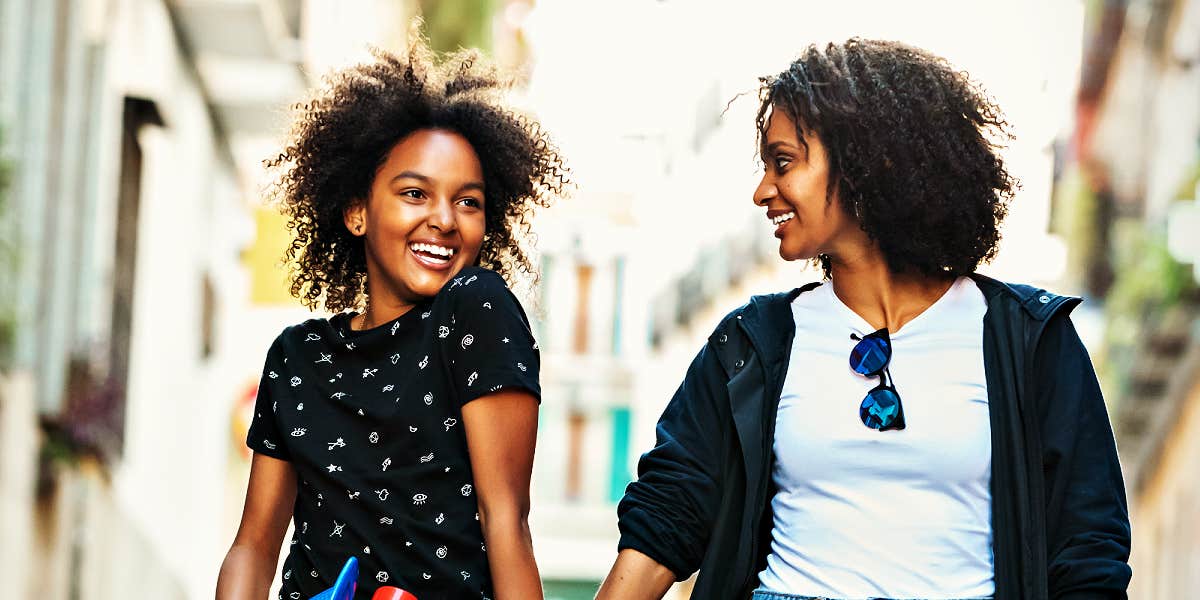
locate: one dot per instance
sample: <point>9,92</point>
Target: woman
<point>402,434</point>
<point>906,428</point>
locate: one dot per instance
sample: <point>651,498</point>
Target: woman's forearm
<point>636,576</point>
<point>510,557</point>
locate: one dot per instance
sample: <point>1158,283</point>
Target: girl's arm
<point>501,431</point>
<point>249,566</point>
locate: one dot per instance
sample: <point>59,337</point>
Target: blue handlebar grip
<point>343,588</point>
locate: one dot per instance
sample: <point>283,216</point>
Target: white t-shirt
<point>861,513</point>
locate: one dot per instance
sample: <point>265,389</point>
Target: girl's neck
<point>381,308</point>
<point>866,285</point>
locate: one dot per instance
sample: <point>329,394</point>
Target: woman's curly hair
<point>343,133</point>
<point>912,146</point>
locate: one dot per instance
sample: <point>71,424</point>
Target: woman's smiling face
<point>423,220</point>
<point>795,191</point>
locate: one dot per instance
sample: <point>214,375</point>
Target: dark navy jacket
<point>1059,517</point>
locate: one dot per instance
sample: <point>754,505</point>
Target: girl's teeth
<point>435,250</point>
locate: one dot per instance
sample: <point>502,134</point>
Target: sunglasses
<point>881,407</point>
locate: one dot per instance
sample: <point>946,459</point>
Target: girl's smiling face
<point>809,220</point>
<point>423,219</point>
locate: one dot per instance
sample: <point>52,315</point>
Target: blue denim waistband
<point>761,595</point>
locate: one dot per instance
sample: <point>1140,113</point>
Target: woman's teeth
<point>439,251</point>
<point>784,218</point>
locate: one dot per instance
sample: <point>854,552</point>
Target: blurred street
<point>141,280</point>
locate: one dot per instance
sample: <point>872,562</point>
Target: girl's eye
<point>471,202</point>
<point>781,162</point>
<point>412,193</point>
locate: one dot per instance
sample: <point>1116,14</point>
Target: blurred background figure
<point>140,275</point>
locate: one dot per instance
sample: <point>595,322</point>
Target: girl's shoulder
<point>309,331</point>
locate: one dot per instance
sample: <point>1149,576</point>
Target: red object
<point>388,592</point>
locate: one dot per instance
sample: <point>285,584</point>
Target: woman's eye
<point>781,162</point>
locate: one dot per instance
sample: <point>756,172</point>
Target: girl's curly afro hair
<point>343,133</point>
<point>912,146</point>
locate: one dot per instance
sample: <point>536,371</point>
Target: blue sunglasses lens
<point>880,408</point>
<point>870,355</point>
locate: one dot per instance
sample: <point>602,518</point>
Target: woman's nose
<point>765,190</point>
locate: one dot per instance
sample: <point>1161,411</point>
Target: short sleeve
<point>490,347</point>
<point>263,436</point>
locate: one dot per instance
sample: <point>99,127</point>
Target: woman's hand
<point>249,566</point>
<point>501,433</point>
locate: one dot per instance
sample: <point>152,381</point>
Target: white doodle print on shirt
<point>273,375</point>
<point>443,332</point>
<point>383,494</point>
<point>312,337</point>
<point>340,443</point>
<point>425,315</point>
<point>487,305</point>
<point>366,549</point>
<point>369,373</point>
<point>295,381</point>
<point>424,362</point>
<point>451,422</point>
<point>505,340</point>
<point>269,445</point>
<point>350,346</point>
<point>465,575</point>
<point>427,458</point>
<point>325,358</point>
<point>387,462</point>
<point>472,377</point>
<point>299,431</point>
<point>442,551</point>
<point>429,399</point>
<point>337,529</point>
<point>374,437</point>
<point>467,341</point>
<point>332,467</point>
<point>441,518</point>
<point>419,499</point>
<point>386,521</point>
<point>353,495</point>
<point>389,387</point>
<point>426,576</point>
<point>466,490</point>
<point>381,577</point>
<point>395,326</point>
<point>522,367</point>
<point>338,395</point>
<point>395,358</point>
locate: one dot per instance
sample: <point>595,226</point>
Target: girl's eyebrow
<point>471,185</point>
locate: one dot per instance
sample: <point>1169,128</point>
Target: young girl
<point>403,434</point>
<point>906,428</point>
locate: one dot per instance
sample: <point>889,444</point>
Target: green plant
<point>8,264</point>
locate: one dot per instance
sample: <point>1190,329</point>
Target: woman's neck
<point>865,284</point>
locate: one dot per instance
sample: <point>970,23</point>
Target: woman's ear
<point>355,218</point>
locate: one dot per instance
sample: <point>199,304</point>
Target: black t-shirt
<point>372,423</point>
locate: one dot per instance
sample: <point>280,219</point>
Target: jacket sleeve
<point>667,514</point>
<point>1087,519</point>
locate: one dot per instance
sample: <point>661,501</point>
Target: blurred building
<point>1128,198</point>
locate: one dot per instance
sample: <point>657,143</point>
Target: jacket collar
<point>762,316</point>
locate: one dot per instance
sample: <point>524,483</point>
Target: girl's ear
<point>355,218</point>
